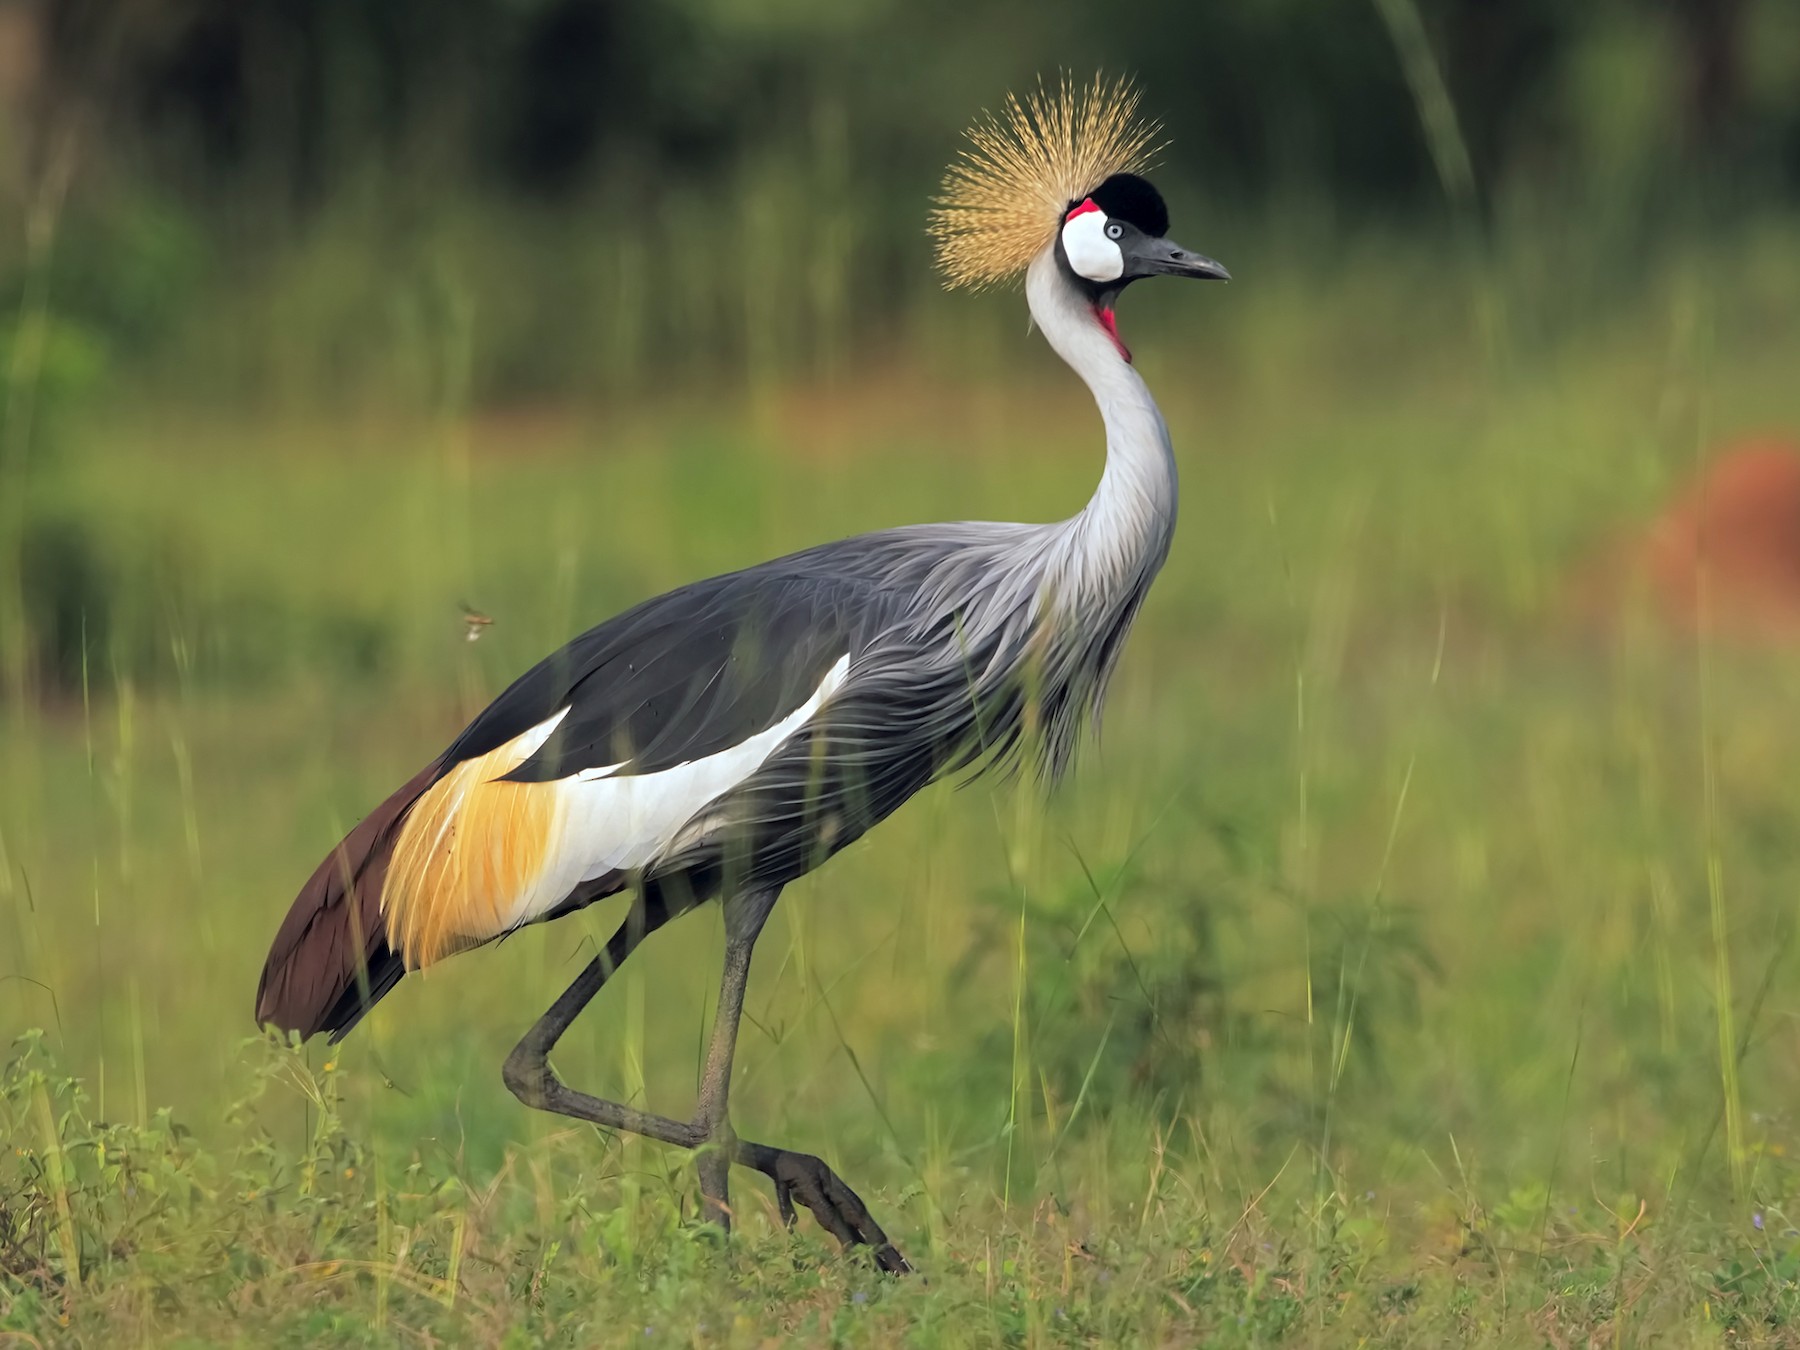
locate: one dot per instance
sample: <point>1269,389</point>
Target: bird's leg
<point>534,1082</point>
<point>839,1210</point>
<point>745,914</point>
<point>797,1176</point>
<point>712,1108</point>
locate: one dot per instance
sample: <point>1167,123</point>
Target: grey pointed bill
<point>1166,258</point>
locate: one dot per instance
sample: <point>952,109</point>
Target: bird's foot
<point>802,1177</point>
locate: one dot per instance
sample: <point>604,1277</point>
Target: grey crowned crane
<point>719,741</point>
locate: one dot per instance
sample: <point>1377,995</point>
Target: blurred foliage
<point>557,96</point>
<point>128,599</point>
<point>1155,986</point>
<point>271,199</point>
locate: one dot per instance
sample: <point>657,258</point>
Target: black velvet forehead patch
<point>1127,197</point>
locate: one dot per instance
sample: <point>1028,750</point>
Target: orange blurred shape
<point>1725,555</point>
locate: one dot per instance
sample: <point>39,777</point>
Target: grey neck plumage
<point>1098,565</point>
<point>1114,547</point>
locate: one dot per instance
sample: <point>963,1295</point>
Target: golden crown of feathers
<point>1005,195</point>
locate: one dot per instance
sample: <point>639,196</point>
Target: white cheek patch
<point>1090,252</point>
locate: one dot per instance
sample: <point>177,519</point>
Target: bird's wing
<point>679,678</point>
<point>591,763</point>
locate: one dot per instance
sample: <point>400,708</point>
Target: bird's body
<point>727,737</point>
<point>753,724</point>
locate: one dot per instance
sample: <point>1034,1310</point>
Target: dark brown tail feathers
<point>331,961</point>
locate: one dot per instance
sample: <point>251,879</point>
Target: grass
<point>1411,963</point>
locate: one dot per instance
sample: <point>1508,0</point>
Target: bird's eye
<point>1115,231</point>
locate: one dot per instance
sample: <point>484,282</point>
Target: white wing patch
<point>607,823</point>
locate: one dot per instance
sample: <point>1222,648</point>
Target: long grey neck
<point>1119,540</point>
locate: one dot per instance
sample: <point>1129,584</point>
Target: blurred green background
<point>1425,914</point>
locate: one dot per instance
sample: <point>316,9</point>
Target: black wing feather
<point>679,677</point>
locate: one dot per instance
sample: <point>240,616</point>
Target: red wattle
<point>1111,325</point>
